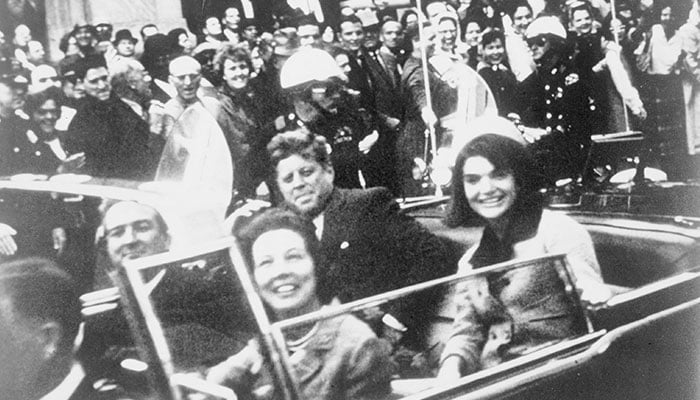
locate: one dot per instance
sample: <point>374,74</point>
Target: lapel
<point>375,68</point>
<point>333,229</point>
<point>310,358</point>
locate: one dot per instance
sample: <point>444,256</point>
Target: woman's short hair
<point>506,155</point>
<point>404,17</point>
<point>234,53</point>
<point>272,219</point>
<point>299,142</point>
<point>36,100</point>
<point>490,35</point>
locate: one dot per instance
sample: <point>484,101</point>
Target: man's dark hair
<point>581,6</point>
<point>305,19</point>
<point>207,18</point>
<point>335,50</point>
<point>298,142</point>
<point>143,29</point>
<point>90,28</point>
<point>63,43</point>
<point>511,9</point>
<point>83,65</point>
<point>490,35</point>
<point>36,100</point>
<point>354,19</point>
<point>41,292</point>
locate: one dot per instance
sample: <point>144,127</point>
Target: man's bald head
<point>185,75</point>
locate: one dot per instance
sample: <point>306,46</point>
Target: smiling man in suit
<point>368,247</point>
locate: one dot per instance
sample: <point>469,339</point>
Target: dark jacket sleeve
<point>414,255</point>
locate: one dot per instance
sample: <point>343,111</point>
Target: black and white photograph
<point>349,199</point>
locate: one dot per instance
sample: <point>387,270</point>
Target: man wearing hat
<point>560,103</point>
<point>125,43</point>
<point>86,39</point>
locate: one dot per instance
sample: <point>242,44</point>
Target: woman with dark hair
<point>496,181</point>
<point>182,42</point>
<point>347,360</point>
<point>409,19</point>
<point>246,116</point>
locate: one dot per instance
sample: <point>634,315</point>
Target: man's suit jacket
<point>370,248</point>
<point>115,140</point>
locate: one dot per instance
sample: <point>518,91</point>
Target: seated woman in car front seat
<point>336,358</point>
<point>498,318</point>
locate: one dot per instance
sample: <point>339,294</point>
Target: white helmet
<point>546,25</point>
<point>308,65</point>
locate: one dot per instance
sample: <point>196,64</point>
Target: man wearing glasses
<point>186,77</point>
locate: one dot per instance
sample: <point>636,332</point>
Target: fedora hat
<point>124,34</point>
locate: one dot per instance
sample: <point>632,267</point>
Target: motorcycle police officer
<point>324,105</point>
<point>555,99</point>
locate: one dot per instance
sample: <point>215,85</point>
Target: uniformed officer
<point>324,105</point>
<point>555,99</point>
<point>12,123</point>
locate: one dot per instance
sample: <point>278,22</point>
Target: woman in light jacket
<point>507,314</point>
<point>336,358</point>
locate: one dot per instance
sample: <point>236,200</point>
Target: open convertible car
<point>155,327</point>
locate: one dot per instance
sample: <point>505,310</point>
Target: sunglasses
<point>538,41</point>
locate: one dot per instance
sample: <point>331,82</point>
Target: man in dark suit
<point>367,245</point>
<point>39,319</point>
<point>380,94</point>
<point>114,138</point>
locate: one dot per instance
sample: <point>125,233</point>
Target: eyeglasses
<point>183,77</point>
<point>538,41</point>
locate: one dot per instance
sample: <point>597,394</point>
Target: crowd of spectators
<point>316,102</point>
<point>565,70</point>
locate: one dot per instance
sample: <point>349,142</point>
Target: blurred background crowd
<point>565,70</point>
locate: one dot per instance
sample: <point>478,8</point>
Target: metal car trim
<point>382,298</point>
<point>560,366</point>
<point>507,368</point>
<point>647,290</point>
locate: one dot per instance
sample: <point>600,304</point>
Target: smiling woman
<point>335,358</point>
<point>497,182</point>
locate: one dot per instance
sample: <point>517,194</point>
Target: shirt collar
<point>138,109</point>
